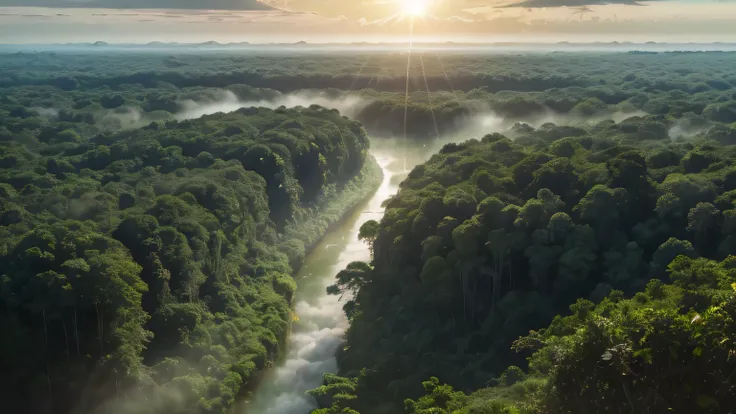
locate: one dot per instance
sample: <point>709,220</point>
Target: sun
<point>414,8</point>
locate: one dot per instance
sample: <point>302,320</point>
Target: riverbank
<point>301,239</point>
<point>319,322</point>
<point>333,208</point>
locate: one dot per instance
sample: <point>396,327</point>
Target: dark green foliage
<point>112,101</point>
<point>155,263</point>
<point>369,233</point>
<point>663,350</point>
<point>678,94</point>
<point>188,231</point>
<point>336,390</point>
<point>460,272</point>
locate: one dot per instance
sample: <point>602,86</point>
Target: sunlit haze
<point>414,8</point>
<point>367,206</point>
<point>322,21</point>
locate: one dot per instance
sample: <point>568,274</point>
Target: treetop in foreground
<point>150,269</point>
<point>489,245</point>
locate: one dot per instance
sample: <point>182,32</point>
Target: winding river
<point>318,332</point>
<point>321,324</point>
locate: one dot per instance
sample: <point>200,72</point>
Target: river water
<point>321,324</point>
<point>318,332</point>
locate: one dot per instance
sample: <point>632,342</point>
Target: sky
<point>320,21</point>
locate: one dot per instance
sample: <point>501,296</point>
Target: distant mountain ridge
<point>417,45</point>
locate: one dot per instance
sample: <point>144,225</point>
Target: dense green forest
<point>491,239</point>
<point>112,91</point>
<point>585,268</point>
<point>574,255</point>
<point>149,270</point>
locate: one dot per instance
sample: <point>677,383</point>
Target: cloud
<point>460,19</point>
<point>569,3</point>
<point>143,4</point>
<point>365,21</point>
<point>378,22</point>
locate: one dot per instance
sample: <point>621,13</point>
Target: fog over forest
<point>228,229</point>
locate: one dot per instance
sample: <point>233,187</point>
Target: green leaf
<point>706,401</point>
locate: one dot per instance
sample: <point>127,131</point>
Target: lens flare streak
<point>360,71</point>
<point>406,95</point>
<point>444,70</point>
<point>429,98</point>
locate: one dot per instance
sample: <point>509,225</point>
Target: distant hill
<point>143,4</point>
<point>517,46</point>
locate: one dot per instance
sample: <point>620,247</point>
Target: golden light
<point>414,8</point>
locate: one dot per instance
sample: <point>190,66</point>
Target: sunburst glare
<point>414,8</point>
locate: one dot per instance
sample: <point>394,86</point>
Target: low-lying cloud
<point>689,127</point>
<point>348,105</point>
<point>319,332</point>
<point>483,120</point>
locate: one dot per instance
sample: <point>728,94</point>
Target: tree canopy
<point>595,279</point>
<point>152,267</point>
